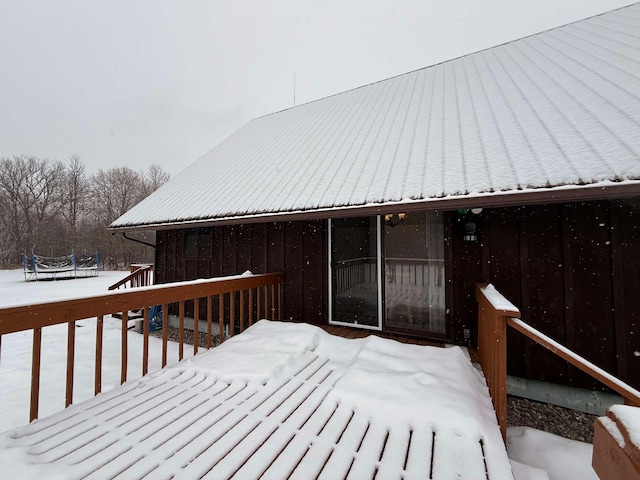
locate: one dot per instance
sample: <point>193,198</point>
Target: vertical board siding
<point>314,293</point>
<point>293,241</point>
<point>243,248</point>
<point>297,248</point>
<point>543,291</point>
<point>229,250</point>
<point>467,272</point>
<point>576,263</point>
<point>589,265</point>
<point>501,259</point>
<point>259,244</point>
<point>625,222</point>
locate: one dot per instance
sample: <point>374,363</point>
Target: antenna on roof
<point>294,88</point>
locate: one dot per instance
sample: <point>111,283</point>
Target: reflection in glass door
<point>354,272</point>
<point>414,273</point>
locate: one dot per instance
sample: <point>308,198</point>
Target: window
<point>198,243</point>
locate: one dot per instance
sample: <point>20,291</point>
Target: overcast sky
<point>140,82</point>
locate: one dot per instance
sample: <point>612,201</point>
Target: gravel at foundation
<point>174,336</point>
<point>521,412</point>
<point>564,422</point>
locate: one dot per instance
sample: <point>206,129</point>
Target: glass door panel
<point>414,273</point>
<point>354,267</point>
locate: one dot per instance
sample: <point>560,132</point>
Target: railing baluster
<point>273,301</point>
<point>279,301</point>
<point>209,320</point>
<point>266,301</point>
<point>35,373</point>
<point>165,332</point>
<point>97,388</point>
<point>258,302</point>
<point>71,349</point>
<point>181,331</point>
<point>232,313</point>
<point>251,306</point>
<point>123,357</point>
<point>196,324</point>
<point>241,310</point>
<point>145,340</point>
<point>221,317</point>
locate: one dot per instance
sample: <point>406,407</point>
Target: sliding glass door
<point>414,273</point>
<point>400,285</point>
<point>355,272</point>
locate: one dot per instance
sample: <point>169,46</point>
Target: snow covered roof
<point>556,109</point>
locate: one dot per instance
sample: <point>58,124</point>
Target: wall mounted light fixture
<point>394,219</point>
<point>470,232</point>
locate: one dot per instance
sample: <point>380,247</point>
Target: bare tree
<point>42,197</point>
<point>12,220</point>
<point>74,198</point>
<point>53,207</point>
<point>31,199</point>
<point>115,191</point>
<point>155,178</point>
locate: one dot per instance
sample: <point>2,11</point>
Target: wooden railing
<point>140,276</point>
<point>495,313</point>
<point>234,302</point>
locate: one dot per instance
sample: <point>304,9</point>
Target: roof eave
<point>510,198</point>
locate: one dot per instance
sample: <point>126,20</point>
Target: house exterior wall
<point>572,269</point>
<point>574,272</point>
<point>297,248</point>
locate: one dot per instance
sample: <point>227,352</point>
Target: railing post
<point>615,454</point>
<point>97,388</point>
<point>71,346</point>
<point>124,361</point>
<point>35,373</point>
<point>492,346</point>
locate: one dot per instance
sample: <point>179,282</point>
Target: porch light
<point>394,219</point>
<point>470,232</point>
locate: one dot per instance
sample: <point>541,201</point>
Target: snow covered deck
<point>281,400</point>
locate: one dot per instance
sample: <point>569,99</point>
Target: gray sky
<point>151,81</point>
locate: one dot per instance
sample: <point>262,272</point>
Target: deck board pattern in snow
<point>558,108</point>
<point>190,423</point>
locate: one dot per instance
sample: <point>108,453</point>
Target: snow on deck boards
<point>308,405</point>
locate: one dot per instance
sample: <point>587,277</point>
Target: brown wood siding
<point>466,259</point>
<point>625,222</point>
<point>501,261</point>
<point>296,248</point>
<point>569,268</point>
<point>573,270</point>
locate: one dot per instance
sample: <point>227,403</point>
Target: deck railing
<point>495,314</point>
<point>234,302</point>
<point>140,276</point>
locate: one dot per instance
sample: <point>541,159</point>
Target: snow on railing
<point>233,302</point>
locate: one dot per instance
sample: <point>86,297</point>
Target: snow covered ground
<point>561,458</point>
